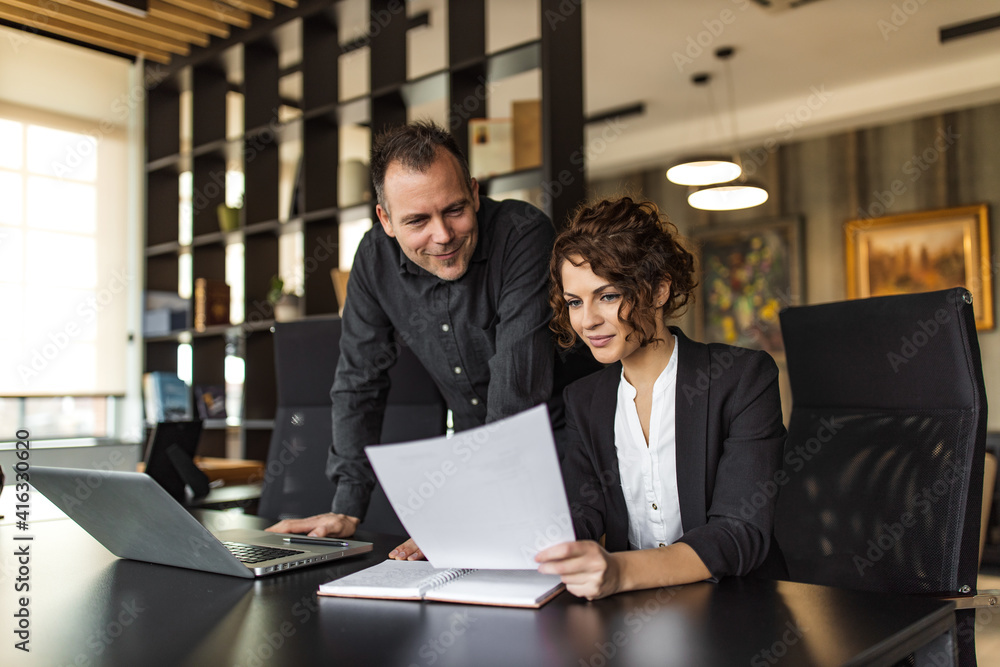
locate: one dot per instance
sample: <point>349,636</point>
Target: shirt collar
<point>662,381</point>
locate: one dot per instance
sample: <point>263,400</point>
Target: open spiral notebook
<point>418,580</point>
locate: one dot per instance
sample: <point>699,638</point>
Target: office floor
<point>988,621</point>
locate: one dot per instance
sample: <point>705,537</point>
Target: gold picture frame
<point>923,252</point>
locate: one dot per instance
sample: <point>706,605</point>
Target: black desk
<point>234,496</point>
<point>89,608</point>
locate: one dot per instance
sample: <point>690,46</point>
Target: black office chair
<point>882,481</point>
<point>305,359</point>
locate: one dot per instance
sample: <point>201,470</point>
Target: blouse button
<point>654,506</point>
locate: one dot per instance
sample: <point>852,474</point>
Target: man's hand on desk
<point>320,525</point>
<point>408,550</point>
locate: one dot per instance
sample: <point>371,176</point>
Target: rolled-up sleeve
<point>737,535</point>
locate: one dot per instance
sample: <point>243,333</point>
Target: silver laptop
<point>133,517</point>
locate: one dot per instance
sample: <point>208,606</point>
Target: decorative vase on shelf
<point>352,183</point>
<point>286,309</point>
<point>229,218</point>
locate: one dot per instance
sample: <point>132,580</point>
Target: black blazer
<point>730,439</point>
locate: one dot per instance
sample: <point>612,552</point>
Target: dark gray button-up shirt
<point>484,338</point>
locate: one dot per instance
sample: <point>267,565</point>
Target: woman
<point>669,443</point>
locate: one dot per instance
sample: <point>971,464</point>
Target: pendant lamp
<point>739,192</point>
<point>704,169</point>
<point>728,196</point>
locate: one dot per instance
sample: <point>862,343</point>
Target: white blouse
<point>649,474</point>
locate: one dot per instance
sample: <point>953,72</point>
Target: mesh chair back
<point>295,482</point>
<point>305,359</point>
<point>414,409</point>
<point>882,479</point>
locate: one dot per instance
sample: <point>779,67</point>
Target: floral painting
<point>748,273</point>
<point>922,252</point>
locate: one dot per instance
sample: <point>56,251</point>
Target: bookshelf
<point>272,107</point>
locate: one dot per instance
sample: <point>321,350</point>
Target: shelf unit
<point>244,104</point>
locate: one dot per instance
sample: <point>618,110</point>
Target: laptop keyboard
<point>250,553</point>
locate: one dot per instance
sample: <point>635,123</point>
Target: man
<point>459,278</point>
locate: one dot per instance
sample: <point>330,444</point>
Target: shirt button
<point>475,401</point>
<point>458,370</point>
<point>662,544</point>
<point>654,506</point>
<point>445,327</point>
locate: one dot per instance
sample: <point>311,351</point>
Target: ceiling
<point>167,28</point>
<point>823,66</point>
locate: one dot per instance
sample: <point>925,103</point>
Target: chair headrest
<point>912,351</point>
<point>306,353</point>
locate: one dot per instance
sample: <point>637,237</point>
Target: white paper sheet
<point>491,497</point>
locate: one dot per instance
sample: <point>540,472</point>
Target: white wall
<point>104,97</point>
<point>828,179</point>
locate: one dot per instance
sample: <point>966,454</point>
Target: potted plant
<point>285,302</point>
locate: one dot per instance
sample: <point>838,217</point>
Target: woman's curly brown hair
<point>635,248</point>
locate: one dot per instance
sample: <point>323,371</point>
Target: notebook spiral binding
<point>444,577</point>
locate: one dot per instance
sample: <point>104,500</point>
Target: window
<point>64,281</point>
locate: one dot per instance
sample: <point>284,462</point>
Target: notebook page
<point>488,498</point>
<point>520,588</point>
<point>402,579</point>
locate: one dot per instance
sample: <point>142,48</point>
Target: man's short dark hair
<point>415,145</point>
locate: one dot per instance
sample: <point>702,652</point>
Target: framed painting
<point>747,274</point>
<point>923,252</point>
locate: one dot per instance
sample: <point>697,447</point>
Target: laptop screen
<point>170,458</point>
